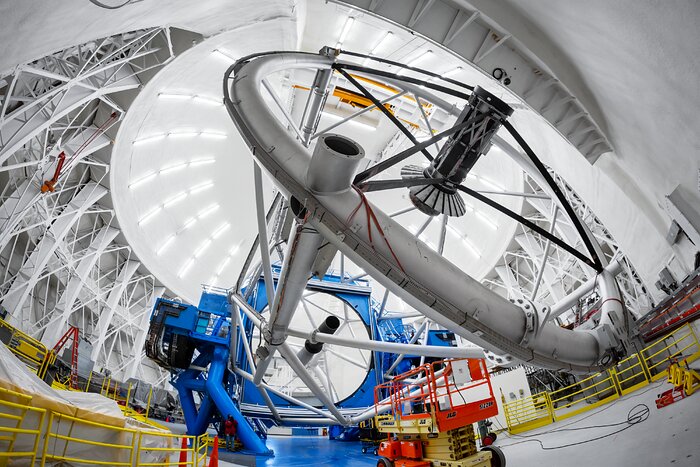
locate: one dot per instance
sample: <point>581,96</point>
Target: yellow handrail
<point>525,414</point>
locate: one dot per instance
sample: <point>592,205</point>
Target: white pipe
<point>391,347</point>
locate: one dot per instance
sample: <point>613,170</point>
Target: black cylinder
<point>329,326</point>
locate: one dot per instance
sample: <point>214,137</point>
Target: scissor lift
<point>432,410</point>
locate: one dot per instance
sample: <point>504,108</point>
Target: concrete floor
<point>669,437</point>
<point>298,451</point>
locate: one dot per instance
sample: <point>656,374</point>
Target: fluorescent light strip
<point>223,228</point>
<point>176,97</point>
<point>173,168</point>
<point>213,135</point>
<point>202,248</point>
<point>198,162</point>
<point>183,134</point>
<point>175,199</point>
<point>490,184</point>
<point>188,223</point>
<point>148,139</point>
<point>378,46</point>
<point>223,264</point>
<point>186,267</point>
<point>149,215</point>
<point>169,241</point>
<point>207,100</point>
<point>142,180</point>
<point>346,30</point>
<point>413,62</point>
<point>468,244</point>
<point>221,54</point>
<point>201,187</point>
<point>205,212</point>
<point>353,121</point>
<point>486,219</point>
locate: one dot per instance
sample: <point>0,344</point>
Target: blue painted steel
<point>207,328</point>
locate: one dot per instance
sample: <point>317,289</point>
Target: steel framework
<point>60,261</point>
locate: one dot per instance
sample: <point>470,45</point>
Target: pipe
<point>314,104</point>
<point>216,391</point>
<point>306,353</point>
<point>301,372</point>
<point>413,340</point>
<point>391,347</point>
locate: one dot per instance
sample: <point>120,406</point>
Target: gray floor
<point>669,437</point>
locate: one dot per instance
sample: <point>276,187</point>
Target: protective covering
<point>78,415</point>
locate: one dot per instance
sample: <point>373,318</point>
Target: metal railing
<point>14,422</point>
<point>127,447</point>
<point>632,373</point>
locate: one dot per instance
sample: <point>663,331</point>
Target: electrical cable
<point>637,414</point>
<point>110,7</point>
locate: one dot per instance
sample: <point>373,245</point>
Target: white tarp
<point>107,421</point>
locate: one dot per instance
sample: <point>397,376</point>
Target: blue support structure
<point>176,331</point>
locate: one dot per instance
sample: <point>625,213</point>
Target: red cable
<point>371,217</point>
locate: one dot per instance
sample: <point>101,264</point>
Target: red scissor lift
<point>431,412</point>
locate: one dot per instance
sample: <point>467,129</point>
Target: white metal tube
<point>379,346</point>
<point>304,375</point>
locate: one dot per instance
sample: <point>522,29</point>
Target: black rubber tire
<point>498,459</point>
<point>384,462</point>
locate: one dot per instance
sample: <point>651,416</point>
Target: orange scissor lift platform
<point>431,412</point>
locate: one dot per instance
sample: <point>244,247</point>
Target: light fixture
<point>221,54</point>
<point>148,139</point>
<point>223,228</point>
<point>416,60</point>
<point>186,267</point>
<point>169,241</point>
<point>206,211</point>
<point>175,199</point>
<point>142,180</point>
<point>189,223</point>
<point>201,187</point>
<point>202,248</point>
<point>378,46</point>
<point>452,71</point>
<point>149,215</point>
<point>207,100</point>
<point>352,121</point>
<point>173,168</point>
<point>223,264</point>
<point>198,162</point>
<point>212,135</point>
<point>490,184</point>
<point>182,134</point>
<point>177,97</point>
<point>468,244</point>
<point>471,247</point>
<point>344,33</point>
<point>486,220</point>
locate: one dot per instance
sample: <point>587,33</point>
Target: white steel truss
<point>60,261</point>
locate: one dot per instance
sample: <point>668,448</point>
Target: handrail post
<point>148,404</point>
<point>550,407</point>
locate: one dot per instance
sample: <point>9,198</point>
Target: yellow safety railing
<point>529,413</point>
<point>681,344</point>
<point>634,372</point>
<point>173,447</point>
<point>30,351</point>
<point>14,422</point>
<point>56,443</point>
